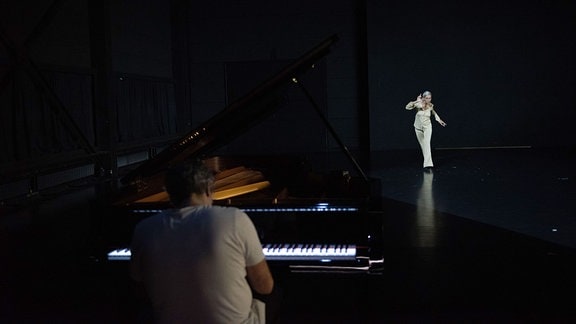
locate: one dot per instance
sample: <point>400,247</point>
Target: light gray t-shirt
<point>193,261</point>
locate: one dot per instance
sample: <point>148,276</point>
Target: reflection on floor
<point>487,236</point>
<point>524,190</point>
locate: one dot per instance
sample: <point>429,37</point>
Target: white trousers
<point>258,312</point>
<point>424,137</point>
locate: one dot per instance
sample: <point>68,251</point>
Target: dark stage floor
<point>487,237</point>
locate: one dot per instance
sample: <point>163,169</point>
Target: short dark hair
<point>184,179</point>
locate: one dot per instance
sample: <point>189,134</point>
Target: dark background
<point>88,87</point>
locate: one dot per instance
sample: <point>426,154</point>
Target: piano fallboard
<point>322,222</point>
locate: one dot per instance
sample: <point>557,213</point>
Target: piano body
<point>308,221</point>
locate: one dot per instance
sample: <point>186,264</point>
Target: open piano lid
<point>237,117</point>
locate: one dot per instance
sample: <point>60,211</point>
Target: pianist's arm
<point>260,278</point>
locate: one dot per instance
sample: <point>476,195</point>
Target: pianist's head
<point>189,184</point>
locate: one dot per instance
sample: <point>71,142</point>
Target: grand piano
<point>309,221</point>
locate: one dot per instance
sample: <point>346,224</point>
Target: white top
<point>422,119</point>
<point>193,261</point>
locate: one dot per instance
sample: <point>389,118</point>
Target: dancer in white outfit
<point>423,124</point>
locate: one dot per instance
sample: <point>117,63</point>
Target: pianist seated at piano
<point>196,262</point>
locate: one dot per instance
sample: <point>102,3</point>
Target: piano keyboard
<point>119,254</point>
<point>309,251</point>
<point>283,252</point>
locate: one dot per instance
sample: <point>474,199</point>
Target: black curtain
<point>146,108</point>
<point>31,128</point>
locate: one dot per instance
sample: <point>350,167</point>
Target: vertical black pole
<point>180,63</point>
<point>104,112</point>
<point>362,82</point>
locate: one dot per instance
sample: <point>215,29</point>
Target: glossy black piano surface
<point>290,203</point>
